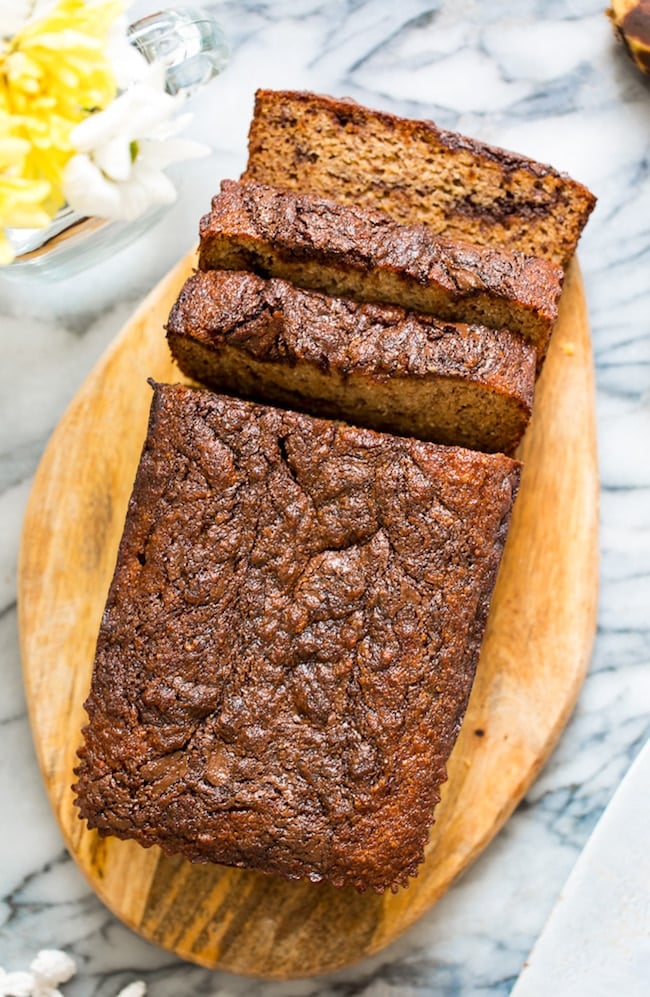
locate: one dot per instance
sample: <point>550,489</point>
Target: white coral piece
<point>16,984</point>
<point>136,989</point>
<point>49,968</point>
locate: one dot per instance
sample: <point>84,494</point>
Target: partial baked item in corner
<point>289,640</point>
<point>355,252</point>
<point>416,172</point>
<point>372,365</point>
<point>631,20</point>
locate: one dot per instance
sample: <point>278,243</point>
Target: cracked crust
<point>373,365</point>
<point>416,172</point>
<point>364,254</point>
<point>289,640</point>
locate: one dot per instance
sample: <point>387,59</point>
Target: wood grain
<point>533,661</point>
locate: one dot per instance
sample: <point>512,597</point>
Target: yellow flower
<point>59,60</point>
<point>21,199</point>
<point>53,73</point>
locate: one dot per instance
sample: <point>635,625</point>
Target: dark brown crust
<point>252,223</point>
<point>289,640</point>
<point>272,322</point>
<point>512,200</point>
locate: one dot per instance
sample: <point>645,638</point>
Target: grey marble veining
<point>544,77</point>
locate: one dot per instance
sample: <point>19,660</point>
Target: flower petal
<point>114,159</point>
<point>159,187</point>
<point>129,66</point>
<point>7,255</point>
<point>149,110</point>
<point>101,126</point>
<point>175,150</point>
<point>15,14</point>
<point>88,191</point>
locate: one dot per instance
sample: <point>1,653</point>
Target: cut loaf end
<point>416,172</point>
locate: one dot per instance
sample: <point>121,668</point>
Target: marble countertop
<point>546,78</point>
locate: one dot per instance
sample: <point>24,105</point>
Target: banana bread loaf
<point>415,172</point>
<point>363,254</point>
<point>373,365</point>
<point>289,640</point>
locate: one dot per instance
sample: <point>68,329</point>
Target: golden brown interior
<point>415,174</point>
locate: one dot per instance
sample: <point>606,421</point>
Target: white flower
<point>128,64</point>
<point>14,14</point>
<point>123,150</point>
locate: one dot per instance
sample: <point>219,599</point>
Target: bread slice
<point>416,172</point>
<point>289,640</point>
<point>372,365</point>
<point>355,252</point>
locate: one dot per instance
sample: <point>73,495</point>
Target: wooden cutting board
<point>533,661</point>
